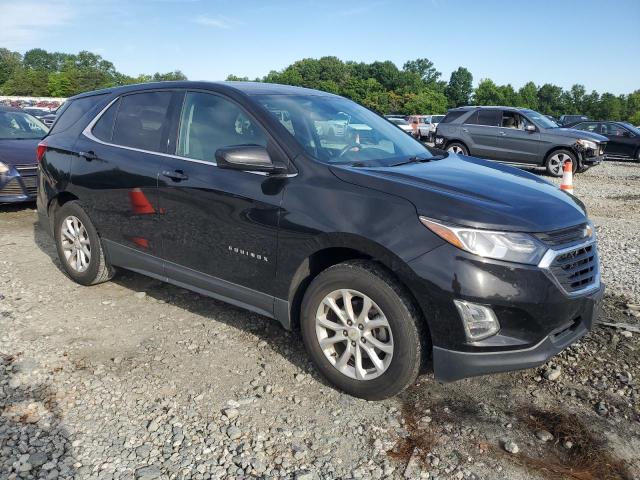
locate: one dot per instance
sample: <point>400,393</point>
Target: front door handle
<point>465,130</point>
<point>175,175</point>
<point>88,156</point>
<point>503,134</point>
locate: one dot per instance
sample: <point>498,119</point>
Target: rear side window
<point>72,111</point>
<point>209,122</point>
<point>141,120</point>
<point>490,118</point>
<point>472,120</point>
<point>103,129</point>
<point>453,115</point>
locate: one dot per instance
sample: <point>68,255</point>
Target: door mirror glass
<point>253,158</point>
<point>530,128</point>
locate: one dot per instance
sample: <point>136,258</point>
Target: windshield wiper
<point>416,159</point>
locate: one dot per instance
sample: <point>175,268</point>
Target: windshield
<point>338,131</point>
<point>437,118</point>
<point>539,119</point>
<point>19,125</point>
<point>631,127</point>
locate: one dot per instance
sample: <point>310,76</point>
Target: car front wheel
<point>361,330</point>
<point>457,148</point>
<point>79,247</point>
<point>555,162</point>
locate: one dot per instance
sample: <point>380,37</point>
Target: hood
<point>473,192</point>
<point>18,152</point>
<point>573,133</point>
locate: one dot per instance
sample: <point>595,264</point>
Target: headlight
<point>587,144</point>
<point>507,246</point>
<point>3,168</point>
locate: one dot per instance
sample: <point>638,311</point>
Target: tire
<point>555,161</point>
<point>72,222</point>
<point>401,335</point>
<point>457,148</point>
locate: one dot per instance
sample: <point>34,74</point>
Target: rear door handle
<point>175,175</point>
<point>88,156</point>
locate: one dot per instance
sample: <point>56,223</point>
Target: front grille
<point>564,236</point>
<point>576,269</point>
<point>12,188</point>
<point>30,184</point>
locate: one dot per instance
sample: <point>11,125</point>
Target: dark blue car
<point>20,134</point>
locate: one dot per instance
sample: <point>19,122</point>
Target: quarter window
<point>209,122</point>
<point>103,129</point>
<point>140,120</point>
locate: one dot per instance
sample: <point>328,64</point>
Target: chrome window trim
<point>87,132</point>
<point>551,255</point>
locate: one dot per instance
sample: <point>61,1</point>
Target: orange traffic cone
<point>567,177</point>
<point>140,205</point>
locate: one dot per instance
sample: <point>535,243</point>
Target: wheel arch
<point>338,251</point>
<point>56,202</point>
<point>555,148</point>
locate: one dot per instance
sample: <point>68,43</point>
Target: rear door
<point>480,133</point>
<point>219,226</point>
<point>516,144</point>
<point>120,155</point>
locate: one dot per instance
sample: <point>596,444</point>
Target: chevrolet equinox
<point>381,252</point>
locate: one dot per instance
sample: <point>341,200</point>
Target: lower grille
<point>30,185</point>
<point>11,189</point>
<point>576,269</point>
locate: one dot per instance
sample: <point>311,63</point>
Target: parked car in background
<point>420,125</point>
<point>380,252</point>
<point>518,136</point>
<point>48,119</point>
<point>19,137</point>
<point>624,138</point>
<point>435,121</point>
<point>402,124</point>
<point>568,120</point>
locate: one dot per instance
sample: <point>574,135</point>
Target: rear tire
<point>457,148</point>
<point>79,246</point>
<point>372,354</point>
<point>555,162</point>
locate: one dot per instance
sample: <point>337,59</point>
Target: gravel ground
<point>137,379</point>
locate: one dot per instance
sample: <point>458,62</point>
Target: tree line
<point>417,87</point>
<point>39,73</point>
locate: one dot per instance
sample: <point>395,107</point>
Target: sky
<point>594,43</point>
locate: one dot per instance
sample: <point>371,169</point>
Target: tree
<point>9,62</point>
<point>487,93</point>
<point>528,96</point>
<point>610,107</point>
<point>427,101</point>
<point>424,68</point>
<point>24,81</point>
<point>549,100</point>
<point>169,76</point>
<point>460,87</point>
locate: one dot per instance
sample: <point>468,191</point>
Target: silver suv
<point>518,136</point>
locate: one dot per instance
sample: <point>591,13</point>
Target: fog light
<point>479,321</point>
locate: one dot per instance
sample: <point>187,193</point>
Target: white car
<point>402,124</point>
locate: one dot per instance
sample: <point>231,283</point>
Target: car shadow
<point>35,440</point>
<point>286,343</point>
<point>17,207</point>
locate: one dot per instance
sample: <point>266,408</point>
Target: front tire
<point>555,162</point>
<point>79,247</point>
<point>362,330</point>
<point>457,148</point>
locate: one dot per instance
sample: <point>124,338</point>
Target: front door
<point>219,227</point>
<point>621,141</point>
<point>515,143</point>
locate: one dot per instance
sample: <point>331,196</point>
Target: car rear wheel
<point>555,162</point>
<point>361,330</point>
<point>457,148</point>
<point>79,246</point>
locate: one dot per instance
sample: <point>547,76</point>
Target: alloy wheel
<point>75,243</point>
<point>556,162</point>
<point>354,334</point>
<point>455,149</point>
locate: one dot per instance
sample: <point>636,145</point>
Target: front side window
<point>209,122</point>
<point>141,120</point>
<point>514,120</point>
<point>19,125</point>
<point>613,130</point>
<point>588,127</point>
<point>338,131</point>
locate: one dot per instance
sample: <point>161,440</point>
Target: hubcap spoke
<point>75,244</point>
<point>385,347</point>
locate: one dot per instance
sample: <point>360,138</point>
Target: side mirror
<point>252,158</point>
<point>626,133</point>
<point>530,128</point>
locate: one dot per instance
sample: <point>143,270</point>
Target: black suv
<point>379,251</point>
<point>624,138</point>
<point>518,136</point>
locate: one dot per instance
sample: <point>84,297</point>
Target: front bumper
<point>451,365</point>
<point>538,317</point>
<point>19,184</point>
